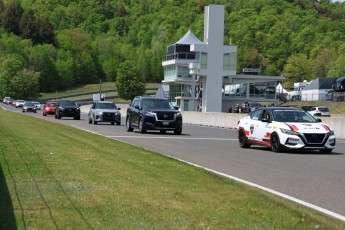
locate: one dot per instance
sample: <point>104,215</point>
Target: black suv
<point>147,113</point>
<point>67,108</point>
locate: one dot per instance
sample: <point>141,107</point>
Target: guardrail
<point>229,120</point>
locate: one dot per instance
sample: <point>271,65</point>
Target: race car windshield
<point>293,116</point>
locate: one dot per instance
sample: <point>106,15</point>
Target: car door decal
<point>251,128</point>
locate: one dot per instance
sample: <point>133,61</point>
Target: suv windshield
<point>293,116</point>
<point>156,104</point>
<point>105,106</point>
<point>68,103</point>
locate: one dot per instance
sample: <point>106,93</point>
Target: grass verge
<point>55,176</point>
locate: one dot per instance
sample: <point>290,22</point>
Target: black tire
<point>55,116</point>
<point>177,132</point>
<point>23,111</point>
<point>141,126</point>
<point>94,121</point>
<point>90,121</point>
<point>35,112</point>
<point>44,114</point>
<point>118,123</point>
<point>325,150</point>
<point>77,118</point>
<point>128,125</point>
<point>162,131</point>
<point>242,139</point>
<point>275,143</point>
<point>112,123</point>
<point>58,116</point>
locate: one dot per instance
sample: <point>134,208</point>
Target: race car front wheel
<point>275,143</point>
<point>242,138</point>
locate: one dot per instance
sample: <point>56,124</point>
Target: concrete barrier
<point>229,120</point>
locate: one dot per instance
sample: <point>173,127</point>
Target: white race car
<point>285,128</point>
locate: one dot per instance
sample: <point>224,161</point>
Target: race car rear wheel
<point>242,139</point>
<point>275,143</point>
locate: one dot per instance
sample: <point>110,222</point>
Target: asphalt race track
<point>312,177</point>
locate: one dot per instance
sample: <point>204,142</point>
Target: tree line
<point>58,44</point>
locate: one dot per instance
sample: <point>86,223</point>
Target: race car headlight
<point>289,132</point>
<point>331,133</point>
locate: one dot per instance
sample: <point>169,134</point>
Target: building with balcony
<point>202,75</point>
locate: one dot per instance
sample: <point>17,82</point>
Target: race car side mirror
<point>265,119</point>
<point>319,120</point>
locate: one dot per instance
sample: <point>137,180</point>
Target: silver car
<point>104,111</point>
<point>29,107</point>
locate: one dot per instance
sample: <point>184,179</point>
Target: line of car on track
<point>26,106</point>
<point>144,113</point>
<point>279,128</point>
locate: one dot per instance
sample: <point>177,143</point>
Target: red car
<point>49,108</point>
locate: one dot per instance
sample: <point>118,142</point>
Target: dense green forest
<point>48,45</point>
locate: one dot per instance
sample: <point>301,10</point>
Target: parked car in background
<point>19,103</point>
<point>29,107</point>
<point>246,107</point>
<point>37,104</point>
<point>307,107</point>
<point>67,108</point>
<point>104,111</point>
<point>283,128</point>
<point>320,111</point>
<point>49,108</point>
<point>147,113</point>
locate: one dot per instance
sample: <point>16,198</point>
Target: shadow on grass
<point>7,218</point>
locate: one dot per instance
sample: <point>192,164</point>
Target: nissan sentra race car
<point>285,128</point>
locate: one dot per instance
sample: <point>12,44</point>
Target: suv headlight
<point>99,113</point>
<point>150,114</point>
<point>289,132</point>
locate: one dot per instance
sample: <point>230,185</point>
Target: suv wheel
<point>141,126</point>
<point>128,125</point>
<point>177,132</point>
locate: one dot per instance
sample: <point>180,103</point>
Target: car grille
<point>108,116</point>
<point>70,111</point>
<point>164,116</point>
<point>314,138</point>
